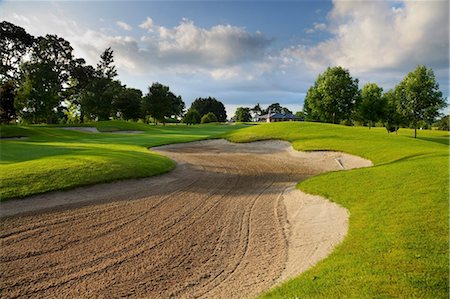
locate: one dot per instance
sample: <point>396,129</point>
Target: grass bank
<point>398,239</point>
<point>51,158</point>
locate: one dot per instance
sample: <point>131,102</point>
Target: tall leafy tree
<point>205,105</point>
<point>97,99</point>
<point>127,103</point>
<point>274,108</point>
<point>81,76</point>
<point>333,96</point>
<point>38,94</point>
<point>373,105</point>
<point>15,43</point>
<point>106,67</point>
<point>160,103</point>
<point>242,114</point>
<point>419,96</point>
<point>98,96</point>
<point>44,78</point>
<point>256,110</point>
<point>7,95</point>
<point>393,119</point>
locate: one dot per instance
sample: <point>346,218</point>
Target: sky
<point>247,52</point>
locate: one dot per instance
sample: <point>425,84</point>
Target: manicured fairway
<point>52,158</point>
<point>397,244</point>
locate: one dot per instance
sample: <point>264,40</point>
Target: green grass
<point>398,239</point>
<point>53,159</point>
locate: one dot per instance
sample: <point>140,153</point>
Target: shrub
<point>209,118</point>
<point>191,117</point>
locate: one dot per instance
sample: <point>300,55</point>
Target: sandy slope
<point>226,223</point>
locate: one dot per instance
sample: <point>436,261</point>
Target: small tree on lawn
<point>419,96</point>
<point>373,105</point>
<point>192,117</point>
<point>209,118</point>
<point>242,114</point>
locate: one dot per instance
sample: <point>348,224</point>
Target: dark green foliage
<point>38,95</point>
<point>443,123</point>
<point>97,98</point>
<point>205,105</point>
<point>15,42</point>
<point>373,105</point>
<point>81,76</point>
<point>106,67</point>
<point>7,110</point>
<point>192,117</point>
<point>333,96</point>
<point>256,110</point>
<point>98,94</point>
<point>300,114</point>
<point>127,103</point>
<point>160,103</point>
<point>419,96</point>
<point>43,78</point>
<point>209,118</point>
<point>242,114</point>
<point>393,119</point>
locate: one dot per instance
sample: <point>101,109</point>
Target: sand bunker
<point>226,223</point>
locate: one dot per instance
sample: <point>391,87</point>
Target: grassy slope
<point>53,159</point>
<point>398,243</point>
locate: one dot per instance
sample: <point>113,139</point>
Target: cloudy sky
<point>252,51</point>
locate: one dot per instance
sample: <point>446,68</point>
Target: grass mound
<point>398,243</point>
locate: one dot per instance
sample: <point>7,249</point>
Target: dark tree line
<point>42,82</point>
<point>336,98</point>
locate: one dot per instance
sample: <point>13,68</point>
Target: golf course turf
<point>397,243</point>
<point>51,158</point>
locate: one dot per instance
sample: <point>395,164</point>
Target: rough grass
<point>55,159</point>
<point>398,241</point>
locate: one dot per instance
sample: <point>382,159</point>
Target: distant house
<point>275,117</point>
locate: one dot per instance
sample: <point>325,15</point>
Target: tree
<point>274,108</point>
<point>333,96</point>
<point>160,103</point>
<point>38,94</point>
<point>373,105</point>
<point>419,96</point>
<point>15,43</point>
<point>300,114</point>
<point>106,68</point>
<point>242,114</point>
<point>98,95</point>
<point>81,77</point>
<point>97,98</point>
<point>443,123</point>
<point>126,104</point>
<point>393,119</point>
<point>209,118</point>
<point>192,117</point>
<point>44,77</point>
<point>7,110</point>
<point>205,105</point>
<point>256,110</point>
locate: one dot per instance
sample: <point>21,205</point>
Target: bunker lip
<point>227,222</point>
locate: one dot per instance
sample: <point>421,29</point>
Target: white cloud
<point>316,27</point>
<point>147,24</point>
<point>372,35</point>
<point>124,26</point>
